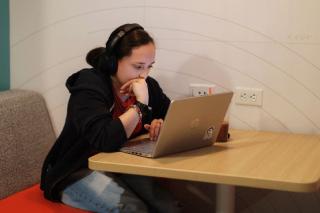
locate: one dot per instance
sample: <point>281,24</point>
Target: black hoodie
<point>89,127</point>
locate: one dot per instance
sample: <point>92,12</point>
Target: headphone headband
<point>121,33</point>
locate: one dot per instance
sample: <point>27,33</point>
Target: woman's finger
<point>147,126</point>
<point>151,130</point>
<point>127,85</point>
<point>157,131</point>
<point>154,128</point>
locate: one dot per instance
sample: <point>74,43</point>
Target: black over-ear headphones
<point>111,60</point>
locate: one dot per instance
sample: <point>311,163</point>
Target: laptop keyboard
<point>145,146</point>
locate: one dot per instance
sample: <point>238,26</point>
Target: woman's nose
<point>144,74</point>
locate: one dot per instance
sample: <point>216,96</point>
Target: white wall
<point>263,44</point>
<point>269,44</point>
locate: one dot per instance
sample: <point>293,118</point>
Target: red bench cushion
<point>32,200</point>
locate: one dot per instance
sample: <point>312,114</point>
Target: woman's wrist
<point>143,100</point>
<point>146,112</point>
<point>138,111</point>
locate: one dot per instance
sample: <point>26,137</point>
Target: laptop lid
<point>192,123</point>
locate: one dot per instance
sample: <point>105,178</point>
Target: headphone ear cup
<point>111,64</point>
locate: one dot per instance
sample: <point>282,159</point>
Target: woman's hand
<point>137,87</point>
<point>154,128</point>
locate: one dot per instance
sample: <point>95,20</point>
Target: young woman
<point>109,103</point>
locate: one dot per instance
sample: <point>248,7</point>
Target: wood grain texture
<point>280,161</point>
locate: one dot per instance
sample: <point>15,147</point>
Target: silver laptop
<point>190,123</point>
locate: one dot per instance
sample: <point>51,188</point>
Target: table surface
<point>280,161</point>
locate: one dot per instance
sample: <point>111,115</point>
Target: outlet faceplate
<point>249,96</point>
<point>202,89</point>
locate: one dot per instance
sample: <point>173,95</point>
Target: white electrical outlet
<point>249,96</point>
<point>202,89</point>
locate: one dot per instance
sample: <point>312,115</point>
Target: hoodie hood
<point>89,79</point>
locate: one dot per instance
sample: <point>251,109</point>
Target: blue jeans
<point>99,192</point>
<point>105,192</point>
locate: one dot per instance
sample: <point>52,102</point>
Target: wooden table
<point>280,161</point>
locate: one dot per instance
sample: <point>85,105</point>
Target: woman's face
<point>138,64</point>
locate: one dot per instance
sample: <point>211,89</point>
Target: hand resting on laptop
<point>154,129</point>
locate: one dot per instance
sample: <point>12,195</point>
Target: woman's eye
<point>138,67</point>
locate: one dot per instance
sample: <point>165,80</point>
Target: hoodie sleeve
<point>89,112</point>
<point>94,122</point>
<point>157,99</point>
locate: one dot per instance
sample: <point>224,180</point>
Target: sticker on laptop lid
<point>195,123</point>
<point>209,133</point>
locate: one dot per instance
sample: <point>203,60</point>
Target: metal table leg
<point>225,198</point>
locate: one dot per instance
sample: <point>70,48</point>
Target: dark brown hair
<point>99,57</point>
